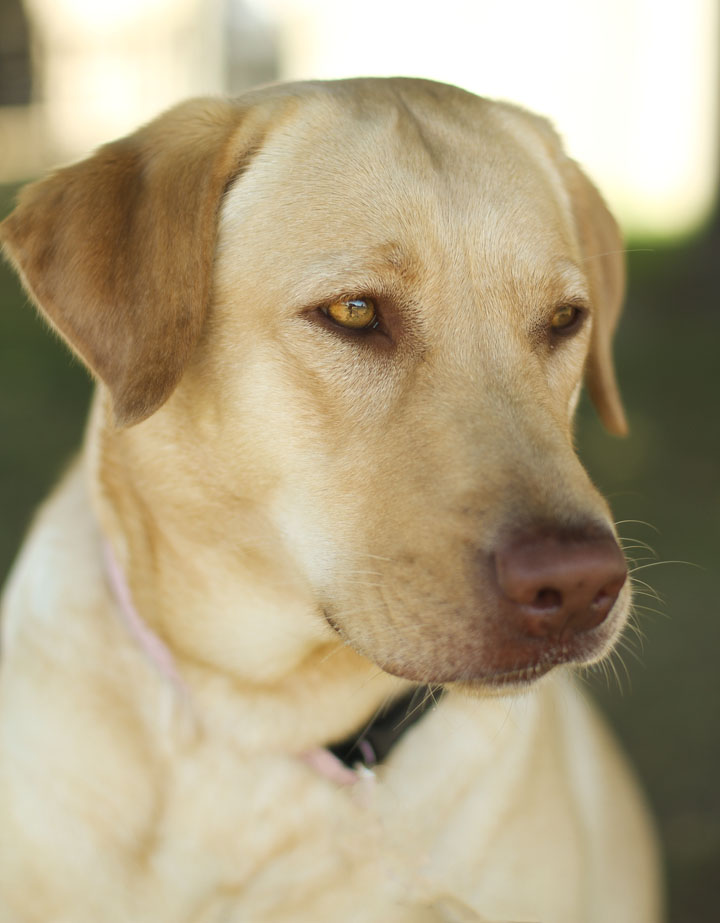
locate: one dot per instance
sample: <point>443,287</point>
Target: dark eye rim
<point>324,309</point>
<point>377,330</point>
<point>581,313</point>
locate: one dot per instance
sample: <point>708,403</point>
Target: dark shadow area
<point>663,482</point>
<point>44,393</point>
<point>16,80</point>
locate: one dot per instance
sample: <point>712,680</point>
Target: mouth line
<point>498,677</point>
<point>519,677</point>
<point>563,654</point>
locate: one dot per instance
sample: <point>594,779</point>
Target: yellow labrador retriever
<point>339,332</point>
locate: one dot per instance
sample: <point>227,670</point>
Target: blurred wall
<point>631,84</point>
<point>102,67</point>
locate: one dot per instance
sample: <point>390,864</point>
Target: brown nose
<point>557,587</point>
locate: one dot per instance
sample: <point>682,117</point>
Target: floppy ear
<point>604,261</point>
<point>117,250</point>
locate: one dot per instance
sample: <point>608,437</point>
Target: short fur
<point>307,517</point>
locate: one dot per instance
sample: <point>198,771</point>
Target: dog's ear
<point>117,250</point>
<point>603,256</point>
<point>604,261</point>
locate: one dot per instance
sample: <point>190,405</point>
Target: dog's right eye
<point>354,314</point>
<point>565,317</point>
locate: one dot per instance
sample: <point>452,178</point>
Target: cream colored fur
<point>294,507</point>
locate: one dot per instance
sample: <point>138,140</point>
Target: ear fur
<point>604,261</point>
<point>117,250</point>
<point>603,255</point>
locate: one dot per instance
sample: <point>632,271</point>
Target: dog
<point>339,331</point>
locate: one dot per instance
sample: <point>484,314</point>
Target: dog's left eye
<point>565,318</point>
<point>355,313</point>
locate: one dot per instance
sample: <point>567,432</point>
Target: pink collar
<point>328,765</point>
<point>155,650</point>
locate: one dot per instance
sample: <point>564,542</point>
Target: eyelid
<point>378,300</point>
<point>581,313</point>
<point>334,311</point>
<point>399,320</point>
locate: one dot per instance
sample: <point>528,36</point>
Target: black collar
<point>371,745</point>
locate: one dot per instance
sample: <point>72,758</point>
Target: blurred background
<point>633,87</point>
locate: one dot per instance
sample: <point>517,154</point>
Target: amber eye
<point>356,313</point>
<point>565,317</point>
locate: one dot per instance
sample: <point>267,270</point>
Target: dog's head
<point>365,309</point>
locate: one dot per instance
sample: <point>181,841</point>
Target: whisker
<point>659,563</point>
<point>613,660</point>
<point>639,522</point>
<point>650,610</point>
<point>624,539</point>
<point>597,256</point>
<point>634,561</point>
<point>649,556</point>
<point>378,557</point>
<point>648,589</point>
<point>632,624</point>
<point>626,645</point>
<point>647,595</point>
<point>429,694</point>
<point>638,635</point>
<point>596,669</point>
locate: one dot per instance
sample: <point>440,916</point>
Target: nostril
<point>605,598</point>
<point>602,597</point>
<point>548,599</point>
<point>558,586</point>
<point>602,600</point>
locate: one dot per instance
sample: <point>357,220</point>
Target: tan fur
<point>302,514</point>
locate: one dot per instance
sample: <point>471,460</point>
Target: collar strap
<point>146,639</point>
<point>378,738</point>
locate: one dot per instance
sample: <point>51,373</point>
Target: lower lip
<point>487,683</point>
<point>565,655</point>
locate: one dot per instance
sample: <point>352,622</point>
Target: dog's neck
<point>149,643</point>
<point>258,660</point>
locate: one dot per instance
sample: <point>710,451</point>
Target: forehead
<point>383,176</point>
